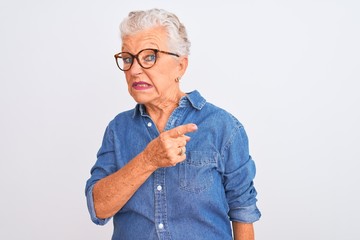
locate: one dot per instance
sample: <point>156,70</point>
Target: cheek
<point>127,78</point>
<point>161,80</point>
<point>165,74</point>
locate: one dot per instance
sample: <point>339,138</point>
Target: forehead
<point>150,38</point>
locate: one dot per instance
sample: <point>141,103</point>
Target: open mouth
<point>141,85</point>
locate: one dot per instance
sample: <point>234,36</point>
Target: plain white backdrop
<point>289,70</point>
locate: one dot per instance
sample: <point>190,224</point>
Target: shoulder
<point>221,116</point>
<point>210,111</point>
<point>122,118</point>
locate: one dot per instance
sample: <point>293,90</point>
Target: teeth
<point>142,85</point>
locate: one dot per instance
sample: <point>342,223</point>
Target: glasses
<point>146,58</point>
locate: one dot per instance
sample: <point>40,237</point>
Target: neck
<point>161,111</point>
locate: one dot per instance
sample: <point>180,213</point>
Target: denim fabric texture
<point>196,199</point>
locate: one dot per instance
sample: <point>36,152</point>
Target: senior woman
<point>175,166</point>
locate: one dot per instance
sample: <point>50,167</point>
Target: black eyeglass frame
<point>156,51</point>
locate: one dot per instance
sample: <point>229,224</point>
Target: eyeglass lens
<point>146,58</point>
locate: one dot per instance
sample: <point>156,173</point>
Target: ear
<point>183,63</point>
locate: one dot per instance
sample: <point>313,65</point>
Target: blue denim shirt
<point>197,198</point>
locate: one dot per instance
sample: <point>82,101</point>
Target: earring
<point>177,79</point>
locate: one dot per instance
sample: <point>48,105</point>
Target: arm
<point>243,231</point>
<point>241,193</point>
<point>111,193</point>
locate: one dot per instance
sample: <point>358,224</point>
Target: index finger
<point>181,130</point>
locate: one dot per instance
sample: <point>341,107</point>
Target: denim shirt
<point>197,198</point>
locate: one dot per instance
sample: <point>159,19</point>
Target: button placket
<point>160,202</point>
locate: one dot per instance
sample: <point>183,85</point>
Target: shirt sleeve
<point>238,178</point>
<point>90,205</point>
<point>104,166</point>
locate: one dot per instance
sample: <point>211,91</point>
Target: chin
<point>140,99</point>
<point>143,98</point>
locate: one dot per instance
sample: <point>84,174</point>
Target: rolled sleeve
<point>248,214</point>
<point>91,208</point>
<point>104,166</point>
<point>239,173</point>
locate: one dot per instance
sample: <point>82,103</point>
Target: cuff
<point>247,214</point>
<point>91,208</point>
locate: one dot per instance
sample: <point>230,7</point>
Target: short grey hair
<point>138,21</point>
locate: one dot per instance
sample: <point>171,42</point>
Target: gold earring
<point>177,79</point>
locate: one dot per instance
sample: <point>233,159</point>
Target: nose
<point>135,68</point>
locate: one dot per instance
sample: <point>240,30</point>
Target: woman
<point>175,166</point>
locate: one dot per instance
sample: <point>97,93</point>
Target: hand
<point>170,147</point>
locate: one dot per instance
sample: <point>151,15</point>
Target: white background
<point>289,70</point>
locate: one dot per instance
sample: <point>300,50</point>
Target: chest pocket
<point>196,173</point>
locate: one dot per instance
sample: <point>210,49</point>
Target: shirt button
<point>159,188</point>
<point>161,226</point>
<point>149,124</point>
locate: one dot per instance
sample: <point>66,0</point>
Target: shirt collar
<point>193,99</point>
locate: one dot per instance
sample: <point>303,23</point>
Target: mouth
<point>141,85</point>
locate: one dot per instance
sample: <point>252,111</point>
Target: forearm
<point>112,193</point>
<point>243,231</point>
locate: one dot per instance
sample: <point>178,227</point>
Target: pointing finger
<point>182,130</point>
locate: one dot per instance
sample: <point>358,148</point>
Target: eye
<point>127,60</point>
<point>149,57</point>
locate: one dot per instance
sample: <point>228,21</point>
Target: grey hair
<point>138,21</point>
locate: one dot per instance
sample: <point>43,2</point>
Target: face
<point>155,85</point>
